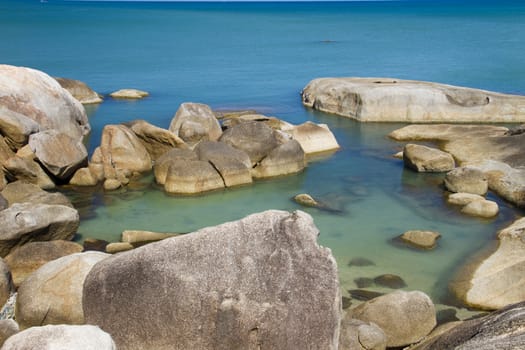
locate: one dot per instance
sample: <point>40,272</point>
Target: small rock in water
<point>359,261</point>
<point>363,294</point>
<point>390,281</point>
<point>347,302</point>
<point>129,94</point>
<point>421,239</point>
<point>363,282</point>
<point>306,200</point>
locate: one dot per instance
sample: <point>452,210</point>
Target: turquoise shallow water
<point>259,56</point>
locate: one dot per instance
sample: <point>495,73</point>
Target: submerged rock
<point>360,261</point>
<point>396,100</point>
<point>390,281</point>
<point>243,283</point>
<point>306,200</point>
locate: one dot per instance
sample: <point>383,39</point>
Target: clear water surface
<point>259,56</point>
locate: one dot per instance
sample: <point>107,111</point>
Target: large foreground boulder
<point>396,100</point>
<point>497,280</point>
<point>405,317</point>
<point>260,282</point>
<point>32,101</point>
<point>53,293</point>
<point>502,329</point>
<point>60,337</point>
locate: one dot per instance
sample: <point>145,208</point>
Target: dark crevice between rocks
<point>218,171</point>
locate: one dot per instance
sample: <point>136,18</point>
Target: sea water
<point>259,56</point>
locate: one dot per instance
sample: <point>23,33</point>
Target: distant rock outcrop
<point>396,100</point>
<point>80,90</point>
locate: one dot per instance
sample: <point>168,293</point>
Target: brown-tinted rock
<point>80,90</point>
<point>359,335</point>
<point>137,237</point>
<point>467,180</point>
<point>8,328</point>
<point>59,153</point>
<point>163,163</point>
<point>156,140</point>
<point>53,293</point>
<point>194,122</point>
<point>131,94</point>
<point>463,198</point>
<point>83,177</point>
<point>285,159</point>
<point>426,159</point>
<point>6,282</point>
<point>390,281</point>
<point>306,200</point>
<point>25,260</point>
<point>244,284</point>
<point>192,176</point>
<point>117,247</point>
<point>421,239</point>
<point>314,138</point>
<point>22,192</point>
<point>27,170</point>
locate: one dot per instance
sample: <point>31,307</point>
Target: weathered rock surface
<point>405,317</point>
<point>3,202</point>
<point>232,164</point>
<point>27,170</point>
<point>498,280</point>
<point>84,177</point>
<point>132,94</point>
<point>8,328</point>
<point>192,176</point>
<point>426,159</point>
<point>32,101</point>
<point>22,192</point>
<point>194,122</point>
<point>314,138</point>
<point>164,162</point>
<point>503,329</point>
<point>255,138</point>
<point>358,335</point>
<point>56,337</point>
<point>117,247</point>
<point>53,293</point>
<point>285,159</point>
<point>25,260</point>
<point>306,200</point>
<point>463,198</point>
<point>26,222</point>
<point>138,237</point>
<point>123,153</point>
<point>59,153</point>
<point>157,141</point>
<point>501,157</point>
<point>421,239</point>
<point>6,282</point>
<point>484,209</point>
<point>396,100</point>
<point>467,180</point>
<point>5,151</point>
<point>80,90</point>
<point>235,286</point>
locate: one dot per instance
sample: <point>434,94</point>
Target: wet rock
<point>517,130</point>
<point>8,328</point>
<point>360,261</point>
<point>80,90</point>
<point>363,282</point>
<point>421,239</point>
<point>61,337</point>
<point>25,222</point>
<point>405,317</point>
<point>359,335</point>
<point>156,140</point>
<point>363,294</point>
<point>503,329</point>
<point>496,280</point>
<point>396,100</point>
<point>53,293</point>
<point>32,101</point>
<point>285,159</point>
<point>446,315</point>
<point>194,122</point>
<point>484,209</point>
<point>25,260</point>
<point>314,138</point>
<point>245,283</point>
<point>467,180</point>
<point>60,154</point>
<point>390,281</point>
<point>131,94</point>
<point>426,159</point>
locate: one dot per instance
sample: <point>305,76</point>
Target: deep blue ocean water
<point>259,56</point>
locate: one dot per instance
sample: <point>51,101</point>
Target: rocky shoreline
<point>262,282</point>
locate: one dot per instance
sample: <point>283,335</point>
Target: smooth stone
<point>467,180</point>
<point>112,184</point>
<point>360,261</point>
<point>60,154</point>
<point>405,317</point>
<point>132,94</point>
<point>496,280</point>
<point>463,198</point>
<point>390,281</point>
<point>137,237</point>
<point>163,163</point>
<point>194,122</point>
<point>26,222</point>
<point>359,335</point>
<point>117,247</point>
<point>53,293</point>
<point>8,328</point>
<point>80,90</point>
<point>421,239</point>
<point>27,170</point>
<point>426,159</point>
<point>192,176</point>
<point>83,177</point>
<point>306,200</point>
<point>410,101</point>
<point>26,259</point>
<point>32,101</point>
<point>61,337</point>
<point>156,140</point>
<point>244,284</point>
<point>484,209</point>
<point>314,138</point>
<point>346,302</point>
<point>288,158</point>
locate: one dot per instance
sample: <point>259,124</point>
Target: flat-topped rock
<point>132,94</point>
<point>421,239</point>
<point>80,90</point>
<point>467,180</point>
<point>396,100</point>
